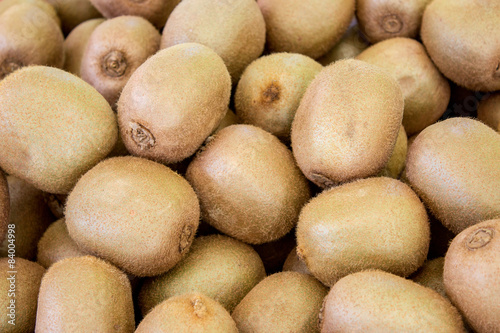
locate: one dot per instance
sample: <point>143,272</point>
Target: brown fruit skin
<point>42,4</point>
<point>347,123</point>
<point>234,29</point>
<point>188,313</point>
<point>139,215</point>
<point>430,275</point>
<point>453,167</point>
<point>384,19</point>
<point>180,105</point>
<point>74,12</point>
<point>463,39</point>
<point>295,264</point>
<point>28,277</point>
<point>471,275</point>
<point>85,294</point>
<point>307,27</point>
<point>376,301</point>
<point>248,184</point>
<point>29,36</point>
<point>397,161</point>
<point>229,119</point>
<point>116,48</point>
<point>489,111</point>
<point>425,90</point>
<point>4,206</point>
<point>351,44</point>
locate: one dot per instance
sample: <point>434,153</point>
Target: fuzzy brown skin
<point>28,277</point>
<point>184,94</point>
<point>295,264</point>
<point>282,302</point>
<point>453,166</point>
<point>248,184</point>
<point>155,11</point>
<point>217,266</point>
<point>471,275</point>
<point>488,111</point>
<point>76,43</point>
<point>4,206</point>
<point>397,161</point>
<point>137,214</point>
<point>74,12</point>
<point>376,301</point>
<point>42,4</point>
<point>270,90</point>
<point>372,223</point>
<point>55,127</point>
<point>351,44</point>
<point>384,19</point>
<point>430,275</point>
<point>306,27</point>
<point>425,90</point>
<point>29,36</point>
<point>347,123</point>
<point>85,294</point>
<point>463,40</point>
<point>188,313</point>
<point>116,48</point>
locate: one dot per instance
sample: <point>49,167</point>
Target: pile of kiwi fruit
<point>249,166</point>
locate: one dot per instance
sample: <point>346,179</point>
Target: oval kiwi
<point>488,111</point>
<point>42,4</point>
<point>74,12</point>
<point>4,206</point>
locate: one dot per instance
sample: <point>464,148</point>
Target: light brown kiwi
<point>229,119</point>
<point>139,215</point>
<point>425,90</point>
<point>116,48</point>
<point>295,264</point>
<point>42,4</point>
<point>74,12</point>
<point>453,166</point>
<point>463,39</point>
<point>85,294</point>
<point>306,27</point>
<point>282,302</point>
<point>188,313</point>
<point>347,123</point>
<point>185,93</point>
<point>270,90</point>
<point>19,285</point>
<point>248,184</point>
<point>54,126</point>
<point>29,36</point>
<point>377,301</point>
<point>351,44</point>
<point>397,161</point>
<point>4,206</point>
<point>430,275</point>
<point>488,111</point>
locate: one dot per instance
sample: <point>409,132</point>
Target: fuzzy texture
<point>453,166</point>
<point>430,275</point>
<point>307,27</point>
<point>85,294</point>
<point>173,102</point>
<point>217,266</point>
<point>385,19</point>
<point>282,302</point>
<point>488,111</point>
<point>376,301</point>
<point>347,123</point>
<point>270,90</point>
<point>4,206</point>
<point>25,287</point>
<point>29,36</point>
<point>463,40</point>
<point>425,90</point>
<point>188,313</point>
<point>74,12</point>
<point>234,29</point>
<point>55,127</point>
<point>248,184</point>
<point>229,119</point>
<point>472,275</point>
<point>397,161</point>
<point>372,223</point>
<point>42,4</point>
<point>139,215</point>
<point>351,44</point>
<point>295,264</point>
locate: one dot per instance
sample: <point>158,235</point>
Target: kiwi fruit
<point>76,43</point>
<point>463,39</point>
<point>234,29</point>
<point>270,90</point>
<point>54,126</point>
<point>29,36</point>
<point>374,223</point>
<point>488,111</point>
<point>384,19</point>
<point>282,302</point>
<point>74,12</point>
<point>397,161</point>
<point>188,313</point>
<point>425,90</point>
<point>229,119</point>
<point>4,206</point>
<point>19,285</point>
<point>471,276</point>
<point>377,301</point>
<point>248,184</point>
<point>185,91</point>
<point>347,123</point>
<point>430,275</point>
<point>138,214</point>
<point>42,4</point>
<point>295,264</point>
<point>85,294</point>
<point>453,166</point>
<point>351,44</point>
<point>307,27</point>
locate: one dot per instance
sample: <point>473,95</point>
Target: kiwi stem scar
<point>392,24</point>
<point>142,136</point>
<point>114,64</point>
